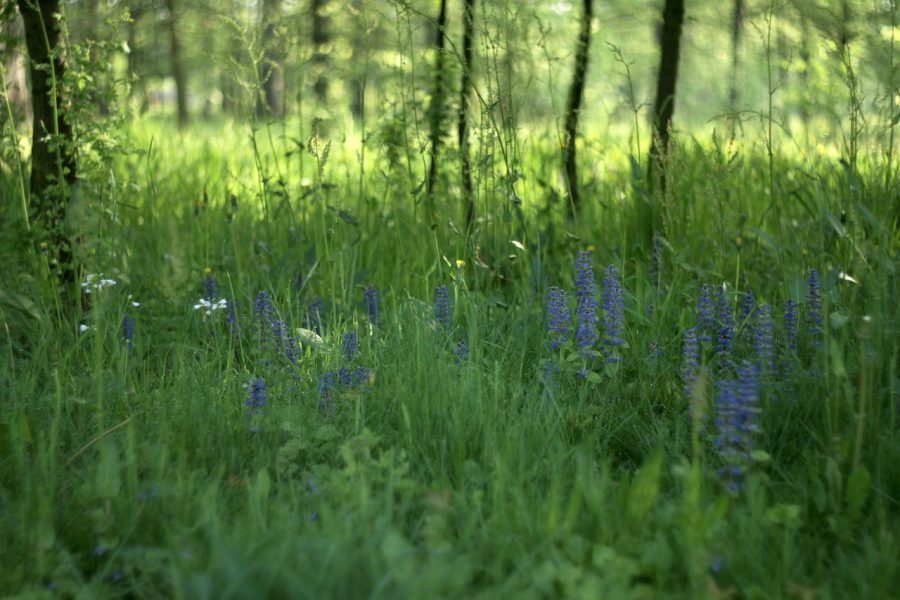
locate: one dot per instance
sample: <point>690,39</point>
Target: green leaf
<point>109,480</point>
<point>21,303</point>
<point>20,428</point>
<point>594,377</point>
<point>857,491</point>
<point>760,456</point>
<point>838,320</point>
<point>644,488</point>
<point>326,433</point>
<point>311,338</point>
<point>766,239</point>
<point>263,484</point>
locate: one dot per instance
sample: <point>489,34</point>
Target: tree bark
<point>270,103</point>
<point>737,27</point>
<point>573,108</point>
<point>463,120</point>
<point>177,64</point>
<point>664,107</point>
<point>52,153</point>
<point>321,36</point>
<point>437,109</point>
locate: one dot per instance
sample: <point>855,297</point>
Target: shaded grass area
<point>138,468</point>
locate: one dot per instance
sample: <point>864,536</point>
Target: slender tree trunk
<point>806,40</point>
<point>573,108</point>
<point>177,64</point>
<point>270,73</point>
<point>359,46</point>
<point>52,155</point>
<point>135,82</point>
<point>321,36</point>
<point>664,107</point>
<point>465,87</point>
<point>737,26</point>
<point>437,109</point>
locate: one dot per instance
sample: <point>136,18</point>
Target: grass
<point>136,470</point>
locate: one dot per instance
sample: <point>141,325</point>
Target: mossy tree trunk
<point>52,153</point>
<point>664,106</point>
<point>437,108</point>
<point>465,90</point>
<point>573,108</point>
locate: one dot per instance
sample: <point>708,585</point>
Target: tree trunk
<point>358,79</point>
<point>664,107</point>
<point>270,103</point>
<point>437,109</point>
<point>463,121</point>
<point>52,155</point>
<point>177,64</point>
<point>737,26</point>
<point>573,108</point>
<point>321,36</point>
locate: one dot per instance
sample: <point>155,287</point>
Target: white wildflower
<point>96,281</point>
<point>209,307</point>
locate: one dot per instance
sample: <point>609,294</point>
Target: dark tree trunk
<point>737,27</point>
<point>52,155</point>
<point>437,109</point>
<point>359,77</point>
<point>463,121</point>
<point>321,36</point>
<point>270,74</point>
<point>664,107</point>
<point>573,108</point>
<point>177,64</point>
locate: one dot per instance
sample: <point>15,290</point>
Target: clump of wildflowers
<point>326,384</point>
<point>764,340</point>
<point>705,319</point>
<point>586,310</point>
<point>461,351</point>
<point>737,406</point>
<point>262,307</point>
<point>691,361</point>
<point>231,319</point>
<point>256,399</point>
<point>613,306</point>
<point>814,307</point>
<point>558,317</point>
<point>790,324</point>
<point>442,307</point>
<point>371,298</point>
<point>349,345</point>
<point>128,330</point>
